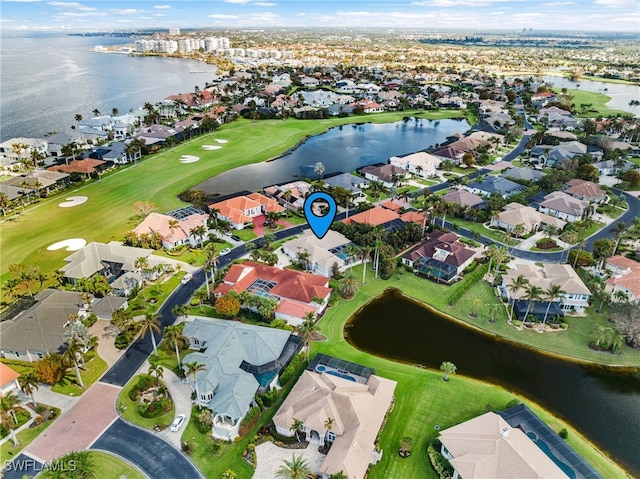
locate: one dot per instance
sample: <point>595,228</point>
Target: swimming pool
<point>544,448</point>
<point>323,369</point>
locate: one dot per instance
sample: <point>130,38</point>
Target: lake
<point>344,148</point>
<point>602,403</point>
<point>621,94</point>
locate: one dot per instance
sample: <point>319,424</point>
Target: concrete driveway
<point>78,428</point>
<point>270,457</point>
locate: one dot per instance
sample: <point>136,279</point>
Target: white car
<point>186,278</point>
<point>177,422</point>
<point>225,251</point>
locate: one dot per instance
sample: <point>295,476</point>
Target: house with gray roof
<point>111,260</point>
<point>38,331</point>
<point>612,167</point>
<point>350,182</point>
<point>526,174</point>
<point>490,184</point>
<point>239,361</point>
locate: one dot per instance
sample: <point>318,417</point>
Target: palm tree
<point>580,246</point>
<point>142,263</point>
<point>307,329</point>
<point>28,384</point>
<point>448,368</point>
<point>297,427</point>
<point>193,368</point>
<point>353,251</point>
<point>4,203</point>
<point>348,287</point>
<point>78,117</point>
<point>210,261</point>
<point>514,287</point>
<point>71,354</point>
<point>268,238</point>
<point>477,302</point>
<point>532,293</point>
<point>173,336</point>
<point>296,468</point>
<point>157,369</point>
<point>8,404</point>
<point>96,112</point>
<point>365,253</point>
<point>151,324</point>
<point>552,294</point>
<point>199,231</point>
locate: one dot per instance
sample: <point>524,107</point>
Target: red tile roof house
<point>241,210</point>
<point>177,235</point>
<point>626,278</point>
<point>294,290</point>
<point>586,190</point>
<point>8,380</point>
<point>86,166</point>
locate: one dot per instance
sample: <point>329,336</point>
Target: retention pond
<point>603,403</point>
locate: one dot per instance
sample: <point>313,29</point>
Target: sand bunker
<point>73,201</point>
<point>71,244</point>
<point>220,141</point>
<point>189,159</point>
<point>211,147</point>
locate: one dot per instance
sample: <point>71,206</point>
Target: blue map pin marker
<point>320,224</point>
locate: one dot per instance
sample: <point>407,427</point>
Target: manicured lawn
<point>128,409</point>
<point>479,228</point>
<point>7,451</point>
<point>157,293</point>
<point>597,100</point>
<point>611,211</point>
<point>95,368</point>
<point>535,248</point>
<point>424,400</point>
<point>107,466</point>
<point>585,233</point>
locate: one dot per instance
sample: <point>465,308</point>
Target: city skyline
<point>592,15</point>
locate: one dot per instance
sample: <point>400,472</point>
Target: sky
<point>591,15</point>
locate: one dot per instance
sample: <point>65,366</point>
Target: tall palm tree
<point>307,329</point>
<point>199,231</point>
<point>173,336</point>
<point>353,251</point>
<point>297,428</point>
<point>514,287</point>
<point>580,247</point>
<point>211,260</point>
<point>365,253</point>
<point>348,287</point>
<point>552,294</point>
<point>532,293</point>
<point>151,324</point>
<point>71,354</point>
<point>4,203</point>
<point>193,368</point>
<point>8,404</point>
<point>157,370</point>
<point>296,468</point>
<point>142,263</point>
<point>28,384</point>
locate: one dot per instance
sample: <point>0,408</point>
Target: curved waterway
<point>602,403</point>
<point>343,148</point>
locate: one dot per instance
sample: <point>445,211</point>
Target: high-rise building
<point>174,31</point>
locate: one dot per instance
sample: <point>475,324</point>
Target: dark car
<point>236,238</point>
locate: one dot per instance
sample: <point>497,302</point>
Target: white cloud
<point>162,7</point>
<point>265,4</point>
<point>222,15</point>
<point>23,1</point>
<point>72,5</point>
<point>124,11</point>
<point>558,4</point>
<point>460,3</point>
<point>237,1</point>
<point>617,3</point>
<point>159,15</point>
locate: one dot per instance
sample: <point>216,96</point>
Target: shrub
<point>50,369</point>
<point>186,447</point>
<point>512,403</point>
<point>439,463</point>
<point>291,370</point>
<point>563,433</point>
<point>154,408</point>
<point>227,305</point>
<point>472,279</point>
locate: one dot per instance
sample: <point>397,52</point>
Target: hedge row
<point>439,463</point>
<point>472,279</point>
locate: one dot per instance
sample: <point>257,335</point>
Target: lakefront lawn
<point>108,213</point>
<point>425,400</point>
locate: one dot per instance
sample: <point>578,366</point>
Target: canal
<point>602,403</point>
<point>344,148</point>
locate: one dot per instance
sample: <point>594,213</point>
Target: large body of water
<point>602,403</point>
<point>621,94</point>
<point>343,148</point>
<point>46,81</point>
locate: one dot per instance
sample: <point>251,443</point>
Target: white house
<point>563,206</point>
<point>421,163</point>
<point>322,253</point>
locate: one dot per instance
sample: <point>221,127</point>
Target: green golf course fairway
<point>108,213</point>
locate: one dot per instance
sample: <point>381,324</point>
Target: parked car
<point>225,251</point>
<point>228,233</point>
<point>177,422</point>
<point>186,278</point>
<point>236,238</point>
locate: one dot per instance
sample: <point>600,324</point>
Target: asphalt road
<point>151,454</point>
<point>22,467</point>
